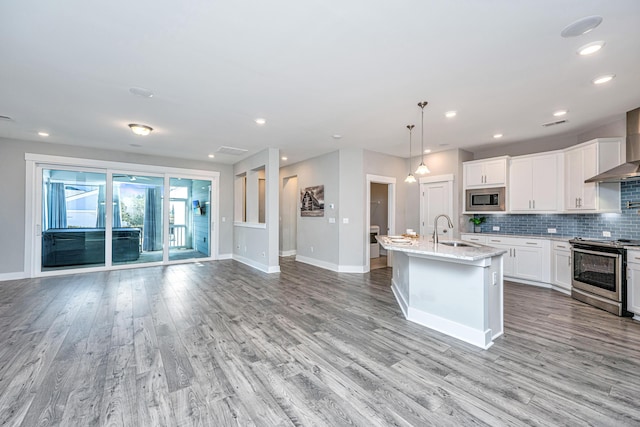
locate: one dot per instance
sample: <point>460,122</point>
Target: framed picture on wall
<point>312,201</point>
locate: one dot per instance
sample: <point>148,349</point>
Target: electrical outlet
<point>606,234</point>
<point>494,277</point>
<point>551,230</point>
<point>345,220</point>
<point>332,220</point>
<point>496,228</point>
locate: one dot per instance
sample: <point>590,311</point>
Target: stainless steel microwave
<point>485,200</point>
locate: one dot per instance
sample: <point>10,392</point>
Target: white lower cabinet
<point>526,259</point>
<point>474,238</point>
<point>561,265</point>
<point>633,283</point>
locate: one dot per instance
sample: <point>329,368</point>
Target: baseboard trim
<point>464,333</point>
<point>561,289</point>
<point>351,269</point>
<point>404,306</point>
<point>528,282</point>
<point>317,263</point>
<point>288,253</point>
<point>4,277</point>
<point>225,256</point>
<point>258,266</point>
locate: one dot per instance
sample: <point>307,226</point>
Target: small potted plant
<point>476,223</point>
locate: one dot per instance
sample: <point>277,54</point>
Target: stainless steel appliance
<point>485,200</point>
<point>599,273</point>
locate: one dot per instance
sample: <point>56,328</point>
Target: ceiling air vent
<point>6,118</point>
<point>231,150</point>
<point>559,122</point>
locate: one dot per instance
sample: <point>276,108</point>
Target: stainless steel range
<point>599,273</point>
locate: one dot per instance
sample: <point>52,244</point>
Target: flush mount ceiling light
<point>590,48</point>
<point>560,113</point>
<point>283,158</point>
<point>140,129</point>
<point>140,91</point>
<point>427,151</point>
<point>603,79</point>
<point>211,156</point>
<point>336,136</point>
<point>45,134</point>
<point>497,135</point>
<point>581,26</point>
<point>422,168</point>
<point>261,121</point>
<point>450,114</point>
<point>410,178</point>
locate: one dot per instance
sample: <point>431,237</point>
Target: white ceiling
<point>313,69</point>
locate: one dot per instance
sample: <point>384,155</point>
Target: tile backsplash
<point>625,225</point>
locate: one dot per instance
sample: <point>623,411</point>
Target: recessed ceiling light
<point>427,151</point>
<point>560,113</point>
<point>140,91</point>
<point>497,135</point>
<point>603,79</point>
<point>43,134</point>
<point>143,130</point>
<point>590,48</point>
<point>450,114</point>
<point>211,156</point>
<point>336,136</point>
<point>581,26</point>
<point>261,121</point>
<point>283,158</point>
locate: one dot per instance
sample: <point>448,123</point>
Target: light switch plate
<point>332,220</point>
<point>606,234</point>
<point>551,230</point>
<point>496,228</point>
<point>345,220</point>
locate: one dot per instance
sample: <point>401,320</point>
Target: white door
<point>437,198</point>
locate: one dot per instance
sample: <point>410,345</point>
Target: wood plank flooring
<point>221,344</point>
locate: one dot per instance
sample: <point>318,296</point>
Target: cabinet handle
<point>496,241</point>
<point>514,252</point>
<point>531,243</point>
<point>529,204</point>
<point>569,261</point>
<point>636,257</point>
<point>561,246</point>
<point>534,204</point>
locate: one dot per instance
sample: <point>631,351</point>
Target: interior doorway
<point>381,208</point>
<point>289,217</point>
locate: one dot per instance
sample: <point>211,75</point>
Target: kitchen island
<point>453,287</point>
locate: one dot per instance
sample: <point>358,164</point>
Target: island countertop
<point>420,246</point>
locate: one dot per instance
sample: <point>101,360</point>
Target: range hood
<point>629,171</point>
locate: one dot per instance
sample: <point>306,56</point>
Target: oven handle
<point>585,251</point>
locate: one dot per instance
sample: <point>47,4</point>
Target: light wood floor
<point>221,344</point>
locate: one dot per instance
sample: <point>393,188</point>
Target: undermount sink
<point>456,244</point>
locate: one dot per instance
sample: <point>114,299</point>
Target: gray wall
<point>613,129</point>
<point>12,190</point>
<point>352,198</point>
<point>397,167</point>
<point>259,246</point>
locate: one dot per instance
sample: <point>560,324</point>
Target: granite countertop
<point>469,252</point>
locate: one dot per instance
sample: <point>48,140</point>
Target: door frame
<point>33,200</point>
<point>391,211</point>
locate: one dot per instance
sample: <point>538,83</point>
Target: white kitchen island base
<point>461,296</point>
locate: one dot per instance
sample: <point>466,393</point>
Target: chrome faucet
<point>435,227</point>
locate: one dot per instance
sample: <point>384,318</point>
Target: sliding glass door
<point>99,218</point>
<point>73,217</point>
<point>137,219</point>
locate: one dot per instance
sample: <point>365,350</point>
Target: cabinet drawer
<point>633,257</point>
<point>561,246</point>
<point>499,240</point>
<point>533,243</point>
<point>471,238</point>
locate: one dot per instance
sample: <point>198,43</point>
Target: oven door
<point>597,272</point>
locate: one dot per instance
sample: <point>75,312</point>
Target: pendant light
<point>410,178</point>
<point>422,168</point>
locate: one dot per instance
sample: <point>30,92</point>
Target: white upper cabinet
<point>585,161</point>
<point>535,183</point>
<point>486,173</point>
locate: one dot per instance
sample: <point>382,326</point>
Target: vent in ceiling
<point>559,122</point>
<point>231,150</point>
<point>6,118</point>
